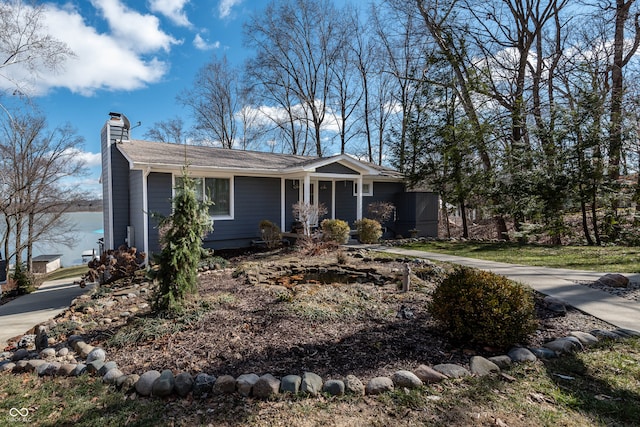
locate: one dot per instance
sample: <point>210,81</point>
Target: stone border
<point>63,361</point>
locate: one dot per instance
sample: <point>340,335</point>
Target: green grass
<point>604,389</point>
<point>67,272</point>
<point>620,259</point>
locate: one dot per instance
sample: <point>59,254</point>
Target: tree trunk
<point>463,212</point>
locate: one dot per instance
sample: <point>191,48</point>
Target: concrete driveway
<point>23,313</point>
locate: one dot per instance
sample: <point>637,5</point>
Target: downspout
<point>145,218</point>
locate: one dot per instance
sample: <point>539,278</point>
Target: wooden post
<point>406,278</point>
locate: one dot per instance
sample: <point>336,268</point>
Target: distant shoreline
<point>86,206</point>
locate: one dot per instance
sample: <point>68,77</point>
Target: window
<point>218,190</point>
<point>367,188</point>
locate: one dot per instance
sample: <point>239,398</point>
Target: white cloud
<point>202,44</point>
<point>140,32</point>
<point>102,61</point>
<point>225,6</point>
<point>172,9</point>
<point>89,159</point>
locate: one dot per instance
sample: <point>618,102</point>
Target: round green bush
<point>483,308</point>
<point>369,230</point>
<point>335,230</point>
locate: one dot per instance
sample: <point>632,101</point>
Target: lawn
<point>619,259</point>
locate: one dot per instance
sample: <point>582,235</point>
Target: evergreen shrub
<point>483,308</point>
<point>369,230</point>
<point>271,234</point>
<point>335,230</point>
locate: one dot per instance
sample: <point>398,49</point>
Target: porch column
<point>306,193</point>
<point>359,199</point>
<point>333,199</point>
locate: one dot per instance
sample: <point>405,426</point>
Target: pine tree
<point>181,245</point>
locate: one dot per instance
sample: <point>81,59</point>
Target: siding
<point>346,203</point>
<point>255,199</point>
<point>336,168</point>
<point>324,197</point>
<point>106,190</point>
<point>136,206</point>
<point>159,193</point>
<point>119,197</point>
<point>419,211</point>
<point>291,198</point>
<point>384,192</point>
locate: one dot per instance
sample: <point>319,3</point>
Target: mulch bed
<point>332,330</point>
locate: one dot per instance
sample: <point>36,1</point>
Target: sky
<point>132,57</point>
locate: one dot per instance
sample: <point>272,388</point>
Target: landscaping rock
<point>562,346</point>
<point>556,305</point>
<point>163,385</point>
<point>601,333</point>
<point>225,384</point>
<point>80,369</point>
<point>521,354</point>
<point>353,385</point>
<point>63,352</point>
<point>112,375</point>
<point>266,386</point>
<point>544,353</point>
<point>144,385</point>
<point>94,366</point>
<point>614,280</point>
<point>291,384</point>
<point>626,333</point>
<point>41,340</point>
<point>67,369</point>
<point>7,366</point>
<point>584,337</point>
<point>96,354</point>
<point>52,369</point>
<point>20,354</point>
<point>203,384</point>
<point>21,366</point>
<point>184,384</point>
<point>502,361</point>
<point>451,370</point>
<point>429,375</point>
<point>47,353</point>
<point>379,385</point>
<point>245,383</point>
<point>311,383</point>
<point>334,387</point>
<point>406,379</point>
<point>127,382</point>
<point>107,367</point>
<point>482,367</point>
<point>33,364</point>
<point>41,369</point>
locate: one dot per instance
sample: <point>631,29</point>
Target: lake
<point>88,228</point>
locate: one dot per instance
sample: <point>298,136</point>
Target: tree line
<point>523,110</point>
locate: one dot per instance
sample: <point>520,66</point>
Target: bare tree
<point>24,42</point>
<point>171,130</point>
<point>36,164</point>
<point>214,102</point>
<point>296,41</point>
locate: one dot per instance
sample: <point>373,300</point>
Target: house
<point>138,178</point>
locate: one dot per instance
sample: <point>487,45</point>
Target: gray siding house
<point>138,178</point>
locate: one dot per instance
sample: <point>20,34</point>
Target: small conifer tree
<point>181,245</point>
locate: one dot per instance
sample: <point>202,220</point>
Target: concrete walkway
<point>559,283</point>
<point>23,313</point>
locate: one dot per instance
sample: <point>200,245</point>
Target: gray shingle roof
<point>162,154</point>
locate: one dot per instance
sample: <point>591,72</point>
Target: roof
<point>161,154</point>
<point>46,258</point>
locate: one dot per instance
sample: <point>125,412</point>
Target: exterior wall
<point>119,197</point>
<point>324,197</point>
<point>336,168</point>
<point>384,192</point>
<point>159,193</point>
<point>255,199</point>
<point>136,209</point>
<point>346,203</point>
<point>291,197</point>
<point>106,187</point>
<point>417,211</point>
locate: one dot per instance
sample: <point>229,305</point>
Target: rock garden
<point>335,323</point>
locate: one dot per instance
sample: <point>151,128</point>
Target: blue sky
<point>132,57</point>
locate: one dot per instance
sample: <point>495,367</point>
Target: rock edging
<point>77,357</point>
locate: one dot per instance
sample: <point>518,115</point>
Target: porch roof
<point>165,155</point>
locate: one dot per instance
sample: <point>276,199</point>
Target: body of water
<point>87,230</point>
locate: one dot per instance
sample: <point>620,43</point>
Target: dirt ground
<point>331,329</point>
